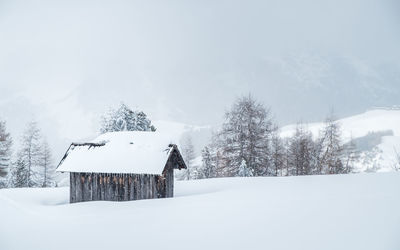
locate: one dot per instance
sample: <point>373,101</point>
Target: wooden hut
<point>122,166</point>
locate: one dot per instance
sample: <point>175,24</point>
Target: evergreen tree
<point>19,174</point>
<point>5,153</point>
<point>142,123</point>
<point>125,119</point>
<point>208,170</point>
<point>244,171</point>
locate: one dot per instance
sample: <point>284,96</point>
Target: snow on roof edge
<point>120,152</point>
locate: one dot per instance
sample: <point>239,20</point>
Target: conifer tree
<point>5,153</point>
<point>208,170</point>
<point>244,171</point>
<point>125,119</point>
<point>19,174</point>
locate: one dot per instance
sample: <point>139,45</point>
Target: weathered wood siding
<point>169,178</point>
<point>125,187</point>
<point>120,187</point>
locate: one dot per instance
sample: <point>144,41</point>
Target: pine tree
<point>19,174</point>
<point>5,153</point>
<point>244,171</point>
<point>125,119</point>
<point>142,123</point>
<point>208,170</point>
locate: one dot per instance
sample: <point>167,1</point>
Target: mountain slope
<point>376,134</point>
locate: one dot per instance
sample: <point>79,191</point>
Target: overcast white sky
<point>65,62</point>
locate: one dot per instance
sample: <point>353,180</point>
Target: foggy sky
<point>64,62</point>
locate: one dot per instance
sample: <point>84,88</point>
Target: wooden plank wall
<point>169,177</point>
<point>119,187</point>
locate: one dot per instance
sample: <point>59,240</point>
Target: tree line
<point>32,165</point>
<point>249,144</point>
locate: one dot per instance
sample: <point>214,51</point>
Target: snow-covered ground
<point>359,211</point>
<point>376,133</point>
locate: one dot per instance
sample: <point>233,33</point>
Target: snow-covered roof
<point>120,152</point>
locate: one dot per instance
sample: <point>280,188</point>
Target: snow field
<point>359,211</point>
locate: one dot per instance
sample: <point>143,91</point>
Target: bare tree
<point>246,135</point>
<point>277,156</point>
<point>301,147</point>
<point>330,162</point>
<point>351,155</point>
<point>46,164</point>
<point>28,158</point>
<point>396,165</point>
<point>5,153</point>
<point>188,156</point>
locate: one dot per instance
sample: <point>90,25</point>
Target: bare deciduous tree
<point>46,165</point>
<point>246,135</point>
<point>187,150</point>
<point>5,153</point>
